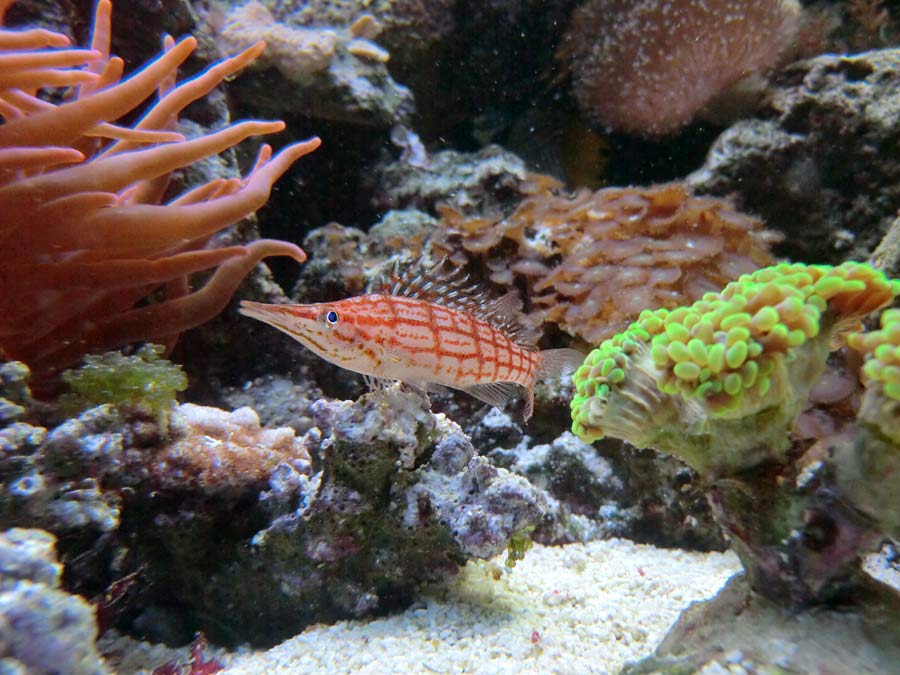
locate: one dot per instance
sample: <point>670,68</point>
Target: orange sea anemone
<point>90,257</point>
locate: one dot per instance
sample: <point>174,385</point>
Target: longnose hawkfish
<point>430,328</point>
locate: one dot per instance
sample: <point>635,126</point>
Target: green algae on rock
<point>144,379</point>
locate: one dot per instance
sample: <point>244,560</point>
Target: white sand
<point>593,608</point>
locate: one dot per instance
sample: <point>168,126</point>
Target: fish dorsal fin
<point>447,285</point>
<point>442,284</point>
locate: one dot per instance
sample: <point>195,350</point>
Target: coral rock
<point>648,67</point>
<point>43,631</point>
<point>299,51</point>
<point>250,533</point>
<point>340,71</point>
<point>740,632</point>
<point>813,165</point>
<point>469,182</point>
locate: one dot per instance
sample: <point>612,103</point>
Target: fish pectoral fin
<point>376,383</point>
<point>393,356</point>
<point>386,361</point>
<point>497,394</point>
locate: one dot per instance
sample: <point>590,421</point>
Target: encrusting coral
<point>719,383</point>
<point>869,467</point>
<point>91,258</point>
<point>648,67</point>
<point>593,261</point>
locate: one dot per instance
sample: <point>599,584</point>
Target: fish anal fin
<point>497,394</point>
<point>434,388</point>
<point>558,362</point>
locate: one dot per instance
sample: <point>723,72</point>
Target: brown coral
<point>648,66</point>
<point>218,450</point>
<point>593,260</point>
<point>90,257</point>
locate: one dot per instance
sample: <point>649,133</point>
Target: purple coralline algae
<point>43,630</point>
<point>597,492</point>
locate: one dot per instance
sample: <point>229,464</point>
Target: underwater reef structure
<point>471,182</point>
<point>812,164</point>
<point>45,630</point>
<point>207,520</point>
<point>593,260</point>
<point>92,257</point>
<point>341,71</point>
<point>410,27</point>
<point>649,67</point>
<point>720,384</point>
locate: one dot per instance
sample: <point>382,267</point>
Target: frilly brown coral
<point>593,260</point>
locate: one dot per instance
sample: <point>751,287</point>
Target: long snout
<point>289,318</point>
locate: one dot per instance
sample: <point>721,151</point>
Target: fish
<point>431,329</point>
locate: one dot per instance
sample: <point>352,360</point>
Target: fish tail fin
<point>558,362</point>
<point>554,363</point>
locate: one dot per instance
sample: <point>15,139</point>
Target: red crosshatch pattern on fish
<point>433,339</point>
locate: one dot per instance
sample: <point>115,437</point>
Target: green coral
<point>145,379</point>
<point>881,349</point>
<point>868,469</point>
<point>881,374</point>
<point>719,382</point>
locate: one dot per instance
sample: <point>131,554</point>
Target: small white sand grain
<point>570,610</point>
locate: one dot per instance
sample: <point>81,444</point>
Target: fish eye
<point>331,318</point>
